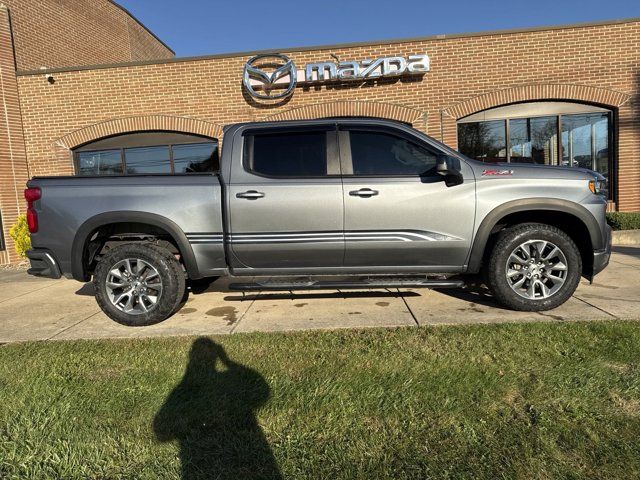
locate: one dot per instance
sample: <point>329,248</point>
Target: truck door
<point>285,199</point>
<point>398,211</point>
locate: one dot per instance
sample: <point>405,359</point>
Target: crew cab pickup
<point>323,204</point>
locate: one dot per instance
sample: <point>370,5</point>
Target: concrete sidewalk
<point>41,309</point>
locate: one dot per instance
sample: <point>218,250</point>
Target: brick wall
<point>13,163</point>
<point>60,33</point>
<point>54,33</point>
<point>598,63</point>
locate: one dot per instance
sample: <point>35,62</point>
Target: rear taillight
<point>31,195</point>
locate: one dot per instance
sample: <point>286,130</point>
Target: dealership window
<point>547,133</point>
<point>148,153</point>
<point>485,141</point>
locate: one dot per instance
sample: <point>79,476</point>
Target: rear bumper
<point>43,264</point>
<point>601,257</point>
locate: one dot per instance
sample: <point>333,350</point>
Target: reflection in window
<point>601,144</point>
<point>144,160</point>
<point>375,153</point>
<point>533,140</point>
<point>584,140</point>
<point>485,141</point>
<point>197,157</point>
<point>140,154</point>
<point>104,162</point>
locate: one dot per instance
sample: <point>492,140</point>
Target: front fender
<point>530,204</point>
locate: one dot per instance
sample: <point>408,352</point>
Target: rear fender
<point>81,239</point>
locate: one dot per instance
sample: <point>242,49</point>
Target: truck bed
<point>73,204</point>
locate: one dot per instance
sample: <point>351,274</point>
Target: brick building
<point>119,102</point>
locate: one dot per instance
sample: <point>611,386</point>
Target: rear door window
<point>287,154</point>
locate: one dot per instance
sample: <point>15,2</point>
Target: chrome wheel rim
<point>536,269</point>
<point>134,286</point>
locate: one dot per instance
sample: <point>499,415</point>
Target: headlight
<point>599,187</point>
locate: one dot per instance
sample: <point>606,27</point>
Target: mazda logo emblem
<point>279,66</point>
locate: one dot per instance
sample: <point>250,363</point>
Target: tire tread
<point>504,243</point>
<point>172,294</point>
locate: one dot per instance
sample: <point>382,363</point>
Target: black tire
<point>170,273</point>
<point>496,268</point>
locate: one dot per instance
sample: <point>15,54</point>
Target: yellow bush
<point>20,234</point>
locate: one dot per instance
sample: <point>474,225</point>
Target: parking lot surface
<point>43,309</point>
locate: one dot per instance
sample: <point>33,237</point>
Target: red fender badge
<point>499,173</point>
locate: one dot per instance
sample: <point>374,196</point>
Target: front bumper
<point>43,264</point>
<point>601,257</point>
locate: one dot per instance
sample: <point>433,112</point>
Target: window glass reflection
<point>544,140</point>
<point>584,140</point>
<point>520,140</point>
<point>576,141</point>
<point>144,160</point>
<point>377,153</point>
<point>104,162</point>
<point>601,133</point>
<point>148,153</point>
<point>195,158</point>
<point>485,141</point>
<point>533,140</point>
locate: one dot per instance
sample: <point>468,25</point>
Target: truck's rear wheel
<point>533,267</point>
<point>139,284</point>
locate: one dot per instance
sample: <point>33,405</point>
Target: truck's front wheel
<point>139,284</point>
<point>533,267</point>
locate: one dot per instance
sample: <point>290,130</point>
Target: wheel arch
<point>575,220</point>
<point>92,225</point>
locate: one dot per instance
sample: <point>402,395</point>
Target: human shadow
<point>212,414</point>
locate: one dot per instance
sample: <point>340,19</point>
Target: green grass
<point>546,400</point>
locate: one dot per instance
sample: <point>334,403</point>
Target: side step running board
<point>275,286</point>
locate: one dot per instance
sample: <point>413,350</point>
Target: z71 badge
<point>499,173</point>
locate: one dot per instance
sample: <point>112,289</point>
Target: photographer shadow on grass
<point>212,414</point>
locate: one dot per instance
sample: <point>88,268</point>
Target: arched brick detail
<point>138,124</point>
<point>355,108</point>
<point>526,93</point>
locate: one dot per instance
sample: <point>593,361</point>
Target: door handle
<point>250,195</point>
<point>363,192</point>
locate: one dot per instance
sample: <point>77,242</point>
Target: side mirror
<point>449,168</point>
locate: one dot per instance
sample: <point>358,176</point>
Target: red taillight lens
<point>32,220</point>
<point>31,195</point>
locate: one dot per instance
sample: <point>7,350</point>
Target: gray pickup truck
<point>323,204</point>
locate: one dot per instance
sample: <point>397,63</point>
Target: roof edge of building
<point>116,4</point>
<point>448,36</point>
